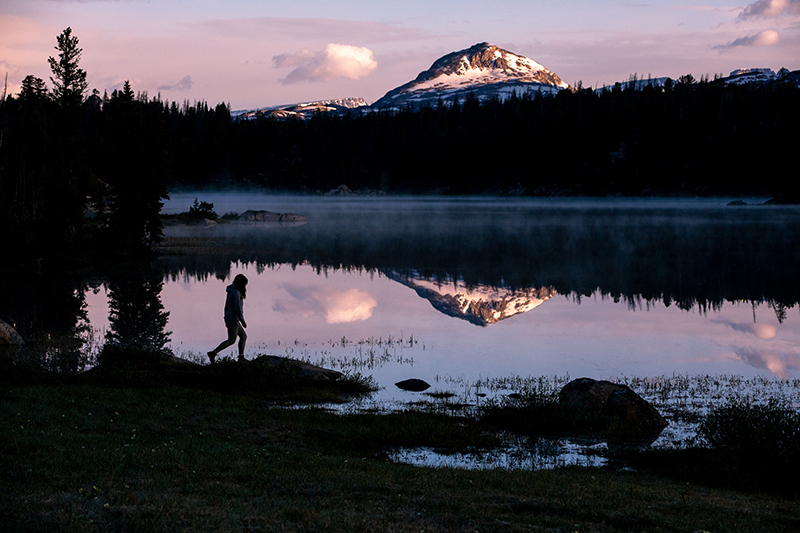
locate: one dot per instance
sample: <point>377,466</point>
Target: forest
<point>83,174</point>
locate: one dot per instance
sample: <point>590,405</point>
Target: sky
<point>259,53</point>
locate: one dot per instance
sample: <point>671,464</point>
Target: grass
<point>142,443</point>
<point>123,366</point>
<point>88,458</point>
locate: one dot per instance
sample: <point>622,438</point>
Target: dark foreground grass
<point>86,458</point>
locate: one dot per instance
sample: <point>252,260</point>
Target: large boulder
<point>307,370</point>
<point>9,336</point>
<point>635,414</point>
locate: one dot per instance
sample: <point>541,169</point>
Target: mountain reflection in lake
<point>400,288</point>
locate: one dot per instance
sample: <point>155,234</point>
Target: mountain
<point>742,76</point>
<point>483,70</point>
<point>481,305</point>
<point>751,75</point>
<point>302,111</point>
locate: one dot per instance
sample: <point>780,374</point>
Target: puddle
<point>518,454</point>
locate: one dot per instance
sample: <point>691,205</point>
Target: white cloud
<point>334,62</point>
<point>762,38</point>
<point>770,9</point>
<point>184,84</point>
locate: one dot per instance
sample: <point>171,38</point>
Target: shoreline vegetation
<point>130,446</point>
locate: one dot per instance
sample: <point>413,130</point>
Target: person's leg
<point>242,340</point>
<point>232,328</point>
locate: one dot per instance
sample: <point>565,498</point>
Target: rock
<point>341,190</point>
<point>344,190</point>
<point>269,216</point>
<point>619,401</point>
<point>413,385</point>
<point>307,371</point>
<point>9,336</point>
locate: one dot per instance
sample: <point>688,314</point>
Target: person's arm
<point>240,310</point>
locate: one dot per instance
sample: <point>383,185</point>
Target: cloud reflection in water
<point>335,306</point>
<point>781,365</point>
<point>762,331</point>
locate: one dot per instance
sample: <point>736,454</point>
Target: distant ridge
<point>303,110</point>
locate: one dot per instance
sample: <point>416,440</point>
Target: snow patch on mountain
<point>302,110</point>
<point>750,75</point>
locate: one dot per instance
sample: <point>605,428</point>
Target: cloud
<point>762,331</point>
<point>780,365</point>
<point>336,307</point>
<point>184,85</point>
<point>311,30</point>
<point>8,68</point>
<point>762,38</point>
<point>770,9</point>
<point>334,62</point>
<point>708,9</point>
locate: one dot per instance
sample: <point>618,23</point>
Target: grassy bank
<point>79,457</point>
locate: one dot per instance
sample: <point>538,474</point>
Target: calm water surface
<point>464,292</point>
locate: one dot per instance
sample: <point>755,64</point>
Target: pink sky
<point>253,53</point>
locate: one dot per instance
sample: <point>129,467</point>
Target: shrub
<point>120,355</point>
<point>201,210</point>
<point>744,428</point>
<point>757,446</point>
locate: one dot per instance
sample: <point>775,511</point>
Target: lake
<point>462,292</point>
<point>689,300</point>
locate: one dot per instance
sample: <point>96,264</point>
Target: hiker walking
<point>234,317</point>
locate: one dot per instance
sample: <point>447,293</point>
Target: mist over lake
<point>458,291</point>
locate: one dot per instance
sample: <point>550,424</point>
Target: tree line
<point>90,172</point>
<point>686,138</point>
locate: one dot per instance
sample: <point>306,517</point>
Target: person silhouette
<point>234,317</point>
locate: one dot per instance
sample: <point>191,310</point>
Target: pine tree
<point>67,186</point>
<point>69,80</point>
<point>33,88</point>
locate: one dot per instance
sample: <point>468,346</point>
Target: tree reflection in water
<point>136,313</point>
<point>49,312</point>
<point>695,257</point>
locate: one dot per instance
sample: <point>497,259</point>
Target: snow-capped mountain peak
<point>483,63</point>
<point>483,70</point>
